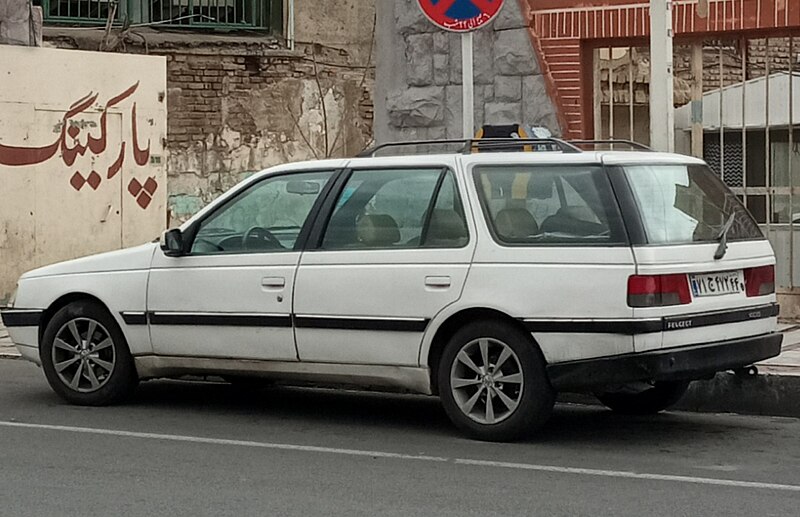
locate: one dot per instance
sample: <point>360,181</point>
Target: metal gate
<point>737,104</point>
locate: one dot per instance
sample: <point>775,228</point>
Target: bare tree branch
<point>321,101</point>
<point>360,87</point>
<point>300,130</point>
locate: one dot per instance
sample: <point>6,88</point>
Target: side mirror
<point>172,243</point>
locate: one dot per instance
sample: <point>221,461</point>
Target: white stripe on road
<point>222,441</point>
<point>630,475</point>
<point>399,456</point>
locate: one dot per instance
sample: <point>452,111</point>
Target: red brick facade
<point>565,32</point>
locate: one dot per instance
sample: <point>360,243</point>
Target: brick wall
<point>243,111</point>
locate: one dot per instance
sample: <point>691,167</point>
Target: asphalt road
<point>184,448</point>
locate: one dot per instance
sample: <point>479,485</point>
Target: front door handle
<point>437,281</point>
<point>273,282</point>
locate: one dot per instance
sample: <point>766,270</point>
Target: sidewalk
<point>788,363</point>
<point>775,391</point>
<point>7,349</point>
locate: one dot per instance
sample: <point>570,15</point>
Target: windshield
<point>683,204</point>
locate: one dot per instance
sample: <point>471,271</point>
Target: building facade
<point>251,83</point>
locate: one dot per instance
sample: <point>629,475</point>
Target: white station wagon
<point>493,277</point>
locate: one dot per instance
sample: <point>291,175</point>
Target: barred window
<point>213,14</point>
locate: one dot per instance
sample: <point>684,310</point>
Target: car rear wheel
<point>493,384</point>
<point>85,356</point>
<point>653,399</point>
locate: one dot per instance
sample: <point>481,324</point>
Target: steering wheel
<point>260,235</point>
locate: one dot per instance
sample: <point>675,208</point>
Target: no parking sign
<point>460,15</point>
<point>463,16</point>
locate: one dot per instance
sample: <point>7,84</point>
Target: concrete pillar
<point>20,23</point>
<point>662,110</point>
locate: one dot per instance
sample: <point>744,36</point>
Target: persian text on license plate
<point>717,284</point>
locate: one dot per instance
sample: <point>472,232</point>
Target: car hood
<point>138,257</point>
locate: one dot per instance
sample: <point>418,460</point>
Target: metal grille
<point>737,104</point>
<point>730,166</point>
<point>230,14</point>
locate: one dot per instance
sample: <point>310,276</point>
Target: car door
<point>395,251</point>
<point>231,295</point>
<point>557,256</point>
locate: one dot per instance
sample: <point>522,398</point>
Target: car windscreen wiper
<point>723,237</point>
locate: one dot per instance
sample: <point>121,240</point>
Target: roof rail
<point>470,145</point>
<point>612,142</point>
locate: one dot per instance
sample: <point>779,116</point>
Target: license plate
<point>717,284</point>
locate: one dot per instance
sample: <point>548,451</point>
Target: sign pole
<point>468,85</point>
<point>460,16</point>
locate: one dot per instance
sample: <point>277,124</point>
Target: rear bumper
<point>680,363</point>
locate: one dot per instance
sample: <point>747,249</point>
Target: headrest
<point>377,230</point>
<point>515,223</point>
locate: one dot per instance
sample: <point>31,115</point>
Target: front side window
<point>682,204</point>
<point>396,209</point>
<point>530,205</point>
<point>266,217</point>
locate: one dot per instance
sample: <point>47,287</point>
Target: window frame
<point>614,214</point>
<point>318,232</point>
<point>190,234</point>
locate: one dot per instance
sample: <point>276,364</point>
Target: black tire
<point>648,402</point>
<point>113,386</point>
<point>535,395</point>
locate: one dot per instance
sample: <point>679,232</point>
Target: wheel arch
<point>453,322</point>
<point>62,302</point>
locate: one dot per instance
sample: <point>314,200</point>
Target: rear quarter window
<point>549,205</point>
<point>681,204</point>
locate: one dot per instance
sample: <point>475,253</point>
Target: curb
<point>764,394</point>
<point>767,394</point>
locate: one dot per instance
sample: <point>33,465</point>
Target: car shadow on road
<point>304,405</point>
<point>570,423</point>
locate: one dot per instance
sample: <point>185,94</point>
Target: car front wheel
<point>85,356</point>
<point>493,384</point>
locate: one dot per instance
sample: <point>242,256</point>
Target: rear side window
<point>681,204</point>
<point>530,205</point>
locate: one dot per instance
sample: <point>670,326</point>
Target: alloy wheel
<point>83,355</point>
<point>486,380</point>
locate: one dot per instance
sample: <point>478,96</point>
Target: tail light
<point>658,290</point>
<point>759,281</point>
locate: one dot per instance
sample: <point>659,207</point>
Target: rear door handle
<point>437,281</point>
<point>273,282</point>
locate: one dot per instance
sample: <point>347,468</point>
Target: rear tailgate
<point>697,250</point>
<point>720,308</point>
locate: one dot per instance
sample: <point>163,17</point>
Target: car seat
<point>572,220</point>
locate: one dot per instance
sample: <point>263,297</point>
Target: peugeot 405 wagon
<point>493,277</point>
